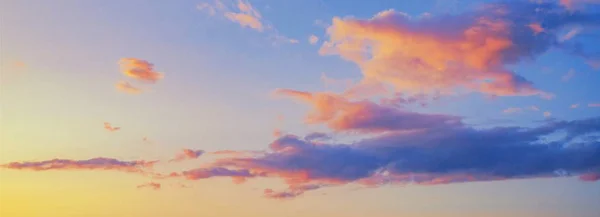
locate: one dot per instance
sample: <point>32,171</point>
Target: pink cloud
<point>594,105</point>
<point>313,39</point>
<point>590,177</point>
<point>110,128</point>
<point>572,33</point>
<point>577,4</point>
<point>187,154</point>
<point>536,28</point>
<point>126,87</point>
<point>138,69</point>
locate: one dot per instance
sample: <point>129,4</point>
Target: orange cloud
<point>152,185</point>
<point>138,69</point>
<point>126,87</point>
<point>110,128</point>
<point>433,55</point>
<point>341,114</point>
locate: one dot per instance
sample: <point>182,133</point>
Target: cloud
<point>594,105</point>
<point>90,164</point>
<point>313,39</point>
<point>317,137</point>
<point>138,69</point>
<point>512,110</point>
<point>568,76</point>
<point>536,28</point>
<point>572,33</point>
<point>126,87</point>
<point>534,108</point>
<point>340,114</point>
<point>547,114</point>
<point>244,14</point>
<point>187,154</point>
<point>577,4</point>
<point>429,157</point>
<point>239,176</point>
<point>574,106</point>
<point>469,51</point>
<point>151,185</point>
<point>110,128</point>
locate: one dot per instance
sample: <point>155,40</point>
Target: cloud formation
<point>110,128</point>
<point>469,51</point>
<point>126,87</point>
<point>90,164</point>
<point>151,185</point>
<point>187,154</point>
<point>313,39</point>
<point>341,114</point>
<point>140,70</point>
<point>246,15</point>
<point>433,156</point>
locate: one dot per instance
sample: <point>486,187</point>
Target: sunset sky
<point>306,108</point>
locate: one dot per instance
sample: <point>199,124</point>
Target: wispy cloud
<point>577,4</point>
<point>569,35</point>
<point>246,15</point>
<point>512,110</point>
<point>594,105</point>
<point>140,70</point>
<point>568,76</point>
<point>151,185</point>
<point>126,87</point>
<point>110,128</point>
<point>90,164</point>
<point>574,106</point>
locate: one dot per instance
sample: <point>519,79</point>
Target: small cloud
<point>574,106</point>
<point>568,76</point>
<point>547,114</point>
<point>594,105</point>
<point>534,108</point>
<point>126,87</point>
<point>187,154</point>
<point>572,33</point>
<point>512,110</point>
<point>151,185</point>
<point>138,69</point>
<point>110,128</point>
<point>536,28</point>
<point>20,65</point>
<point>313,39</point>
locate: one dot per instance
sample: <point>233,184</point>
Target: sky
<point>306,108</point>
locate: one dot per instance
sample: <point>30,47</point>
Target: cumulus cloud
<point>187,154</point>
<point>90,164</point>
<point>138,69</point>
<point>313,39</point>
<point>453,52</point>
<point>110,128</point>
<point>126,87</point>
<point>429,157</point>
<point>341,114</point>
<point>151,185</point>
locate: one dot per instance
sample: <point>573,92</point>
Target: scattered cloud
<point>568,76</point>
<point>110,128</point>
<point>313,39</point>
<point>151,185</point>
<point>140,70</point>
<point>246,15</point>
<point>126,87</point>
<point>187,154</point>
<point>452,52</point>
